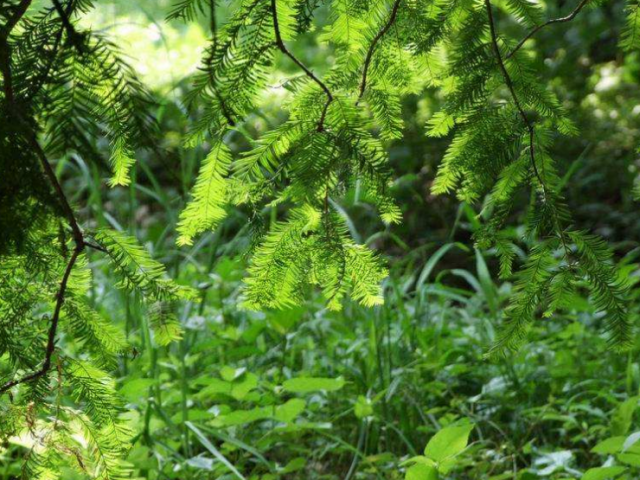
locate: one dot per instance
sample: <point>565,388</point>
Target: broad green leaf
<point>241,417</point>
<point>632,459</point>
<point>288,411</point>
<point>238,388</point>
<point>229,374</point>
<point>630,441</point>
<point>283,321</point>
<point>420,471</point>
<point>241,388</point>
<point>603,473</point>
<point>134,389</point>
<point>609,446</point>
<point>312,384</point>
<point>215,386</point>
<point>193,415</point>
<point>448,442</point>
<point>622,417</point>
<point>363,407</point>
<point>294,465</point>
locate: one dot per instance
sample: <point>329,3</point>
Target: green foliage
<point>631,34</point>
<point>138,271</point>
<point>284,394</point>
<point>440,452</point>
<point>206,209</point>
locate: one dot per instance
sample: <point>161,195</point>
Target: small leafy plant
<point>440,453</point>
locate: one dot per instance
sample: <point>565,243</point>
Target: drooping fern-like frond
<point>71,89</point>
<point>109,435</point>
<point>136,267</point>
<point>283,259</point>
<point>165,325</point>
<point>96,389</point>
<point>207,207</point>
<point>530,13</point>
<point>631,33</point>
<point>608,289</point>
<point>187,10</point>
<point>531,288</point>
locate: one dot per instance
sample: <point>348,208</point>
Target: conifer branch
<point>5,67</point>
<point>383,31</point>
<point>78,237</point>
<point>509,83</point>
<point>80,245</point>
<point>53,328</point>
<point>5,49</point>
<point>283,48</point>
<point>525,119</point>
<point>536,29</point>
<point>214,40</point>
<point>53,55</point>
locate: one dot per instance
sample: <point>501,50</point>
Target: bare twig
<point>383,31</point>
<point>283,48</point>
<point>536,29</point>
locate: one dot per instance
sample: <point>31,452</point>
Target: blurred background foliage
<point>216,405</point>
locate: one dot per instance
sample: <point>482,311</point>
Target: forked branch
<point>536,29</point>
<point>283,48</point>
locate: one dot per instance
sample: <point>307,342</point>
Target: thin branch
<point>536,29</point>
<point>212,19</point>
<point>21,9</point>
<point>308,73</point>
<point>383,31</point>
<point>78,237</point>
<point>95,247</point>
<point>74,36</point>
